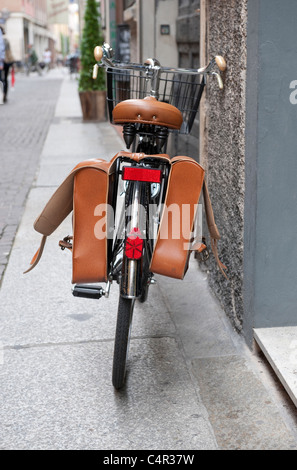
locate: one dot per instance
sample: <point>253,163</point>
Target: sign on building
<point>57,11</point>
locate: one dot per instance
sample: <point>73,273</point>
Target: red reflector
<point>134,245</point>
<point>147,175</point>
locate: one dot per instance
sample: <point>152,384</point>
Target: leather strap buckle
<point>201,250</point>
<point>66,243</point>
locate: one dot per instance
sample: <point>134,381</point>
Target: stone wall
<point>224,147</point>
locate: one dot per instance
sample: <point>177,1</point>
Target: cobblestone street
<point>24,123</point>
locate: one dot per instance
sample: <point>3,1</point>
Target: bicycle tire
<point>121,343</point>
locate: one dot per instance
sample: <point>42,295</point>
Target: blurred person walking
<point>32,61</point>
<point>8,62</point>
<point>2,57</point>
<point>47,59</point>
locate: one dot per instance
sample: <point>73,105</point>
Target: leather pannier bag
<point>91,184</point>
<point>89,253</point>
<point>88,185</point>
<point>172,248</point>
<point>174,242</point>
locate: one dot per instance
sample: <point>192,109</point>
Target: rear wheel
<point>122,339</point>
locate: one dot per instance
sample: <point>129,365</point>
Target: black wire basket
<point>183,91</point>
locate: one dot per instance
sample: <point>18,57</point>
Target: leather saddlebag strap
<point>37,256</point>
<point>213,229</point>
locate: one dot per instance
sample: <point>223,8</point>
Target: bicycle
<point>150,102</point>
<point>180,89</point>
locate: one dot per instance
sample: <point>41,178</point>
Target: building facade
<point>27,23</point>
<point>248,147</point>
<point>42,23</point>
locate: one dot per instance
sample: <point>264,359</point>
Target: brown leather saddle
<point>147,111</point>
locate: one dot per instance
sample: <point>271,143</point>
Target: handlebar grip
<point>220,81</point>
<point>95,71</point>
<point>221,63</point>
<point>98,53</point>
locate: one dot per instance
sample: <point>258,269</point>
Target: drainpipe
<point>140,31</point>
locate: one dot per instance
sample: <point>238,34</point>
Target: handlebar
<point>103,55</point>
